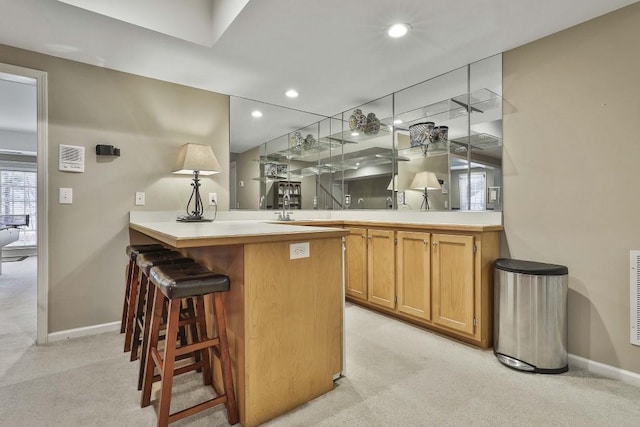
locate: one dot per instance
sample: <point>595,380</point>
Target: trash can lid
<point>530,267</point>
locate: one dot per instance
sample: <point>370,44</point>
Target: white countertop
<point>479,218</point>
<point>189,234</point>
<point>188,230</point>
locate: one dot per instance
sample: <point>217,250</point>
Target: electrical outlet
<point>213,199</point>
<point>66,196</point>
<point>140,198</point>
<point>299,250</point>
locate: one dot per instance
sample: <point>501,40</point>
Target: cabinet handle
<point>435,244</point>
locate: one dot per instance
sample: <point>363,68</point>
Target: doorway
<point>233,191</point>
<point>23,191</point>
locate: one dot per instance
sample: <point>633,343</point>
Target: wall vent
<point>635,297</point>
<point>71,158</point>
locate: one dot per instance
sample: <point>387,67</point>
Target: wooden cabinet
<point>356,263</point>
<point>452,264</point>
<point>441,279</point>
<point>370,266</point>
<point>381,267</point>
<point>413,272</point>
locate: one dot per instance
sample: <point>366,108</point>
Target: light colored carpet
<point>397,375</point>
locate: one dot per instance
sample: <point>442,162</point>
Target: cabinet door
<point>453,281</point>
<point>381,267</point>
<point>414,274</point>
<point>356,263</point>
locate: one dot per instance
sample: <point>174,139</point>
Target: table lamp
<point>425,181</point>
<point>393,183</point>
<point>198,160</point>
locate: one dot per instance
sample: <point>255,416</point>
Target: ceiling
<point>334,52</point>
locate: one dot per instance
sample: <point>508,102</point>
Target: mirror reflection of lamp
<point>198,160</point>
<point>393,186</point>
<point>425,181</point>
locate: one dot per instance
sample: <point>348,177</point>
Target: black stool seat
<point>146,261</point>
<point>139,249</point>
<point>187,282</point>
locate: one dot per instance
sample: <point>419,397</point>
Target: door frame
<point>42,312</point>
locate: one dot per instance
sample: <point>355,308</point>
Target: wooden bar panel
<point>293,326</point>
<point>230,261</point>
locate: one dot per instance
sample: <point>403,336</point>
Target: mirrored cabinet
<point>436,145</point>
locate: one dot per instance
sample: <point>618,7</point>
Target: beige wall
<point>571,154</point>
<point>148,120</point>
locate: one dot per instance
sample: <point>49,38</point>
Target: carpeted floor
<point>397,375</point>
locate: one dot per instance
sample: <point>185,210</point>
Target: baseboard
<point>607,371</point>
<point>83,332</point>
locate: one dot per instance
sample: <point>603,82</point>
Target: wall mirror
<point>260,155</point>
<point>436,145</point>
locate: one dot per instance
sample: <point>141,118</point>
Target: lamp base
<point>193,218</point>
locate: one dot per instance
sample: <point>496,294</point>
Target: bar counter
<point>284,316</point>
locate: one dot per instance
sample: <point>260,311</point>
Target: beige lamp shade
<point>393,184</point>
<point>425,181</point>
<point>197,157</point>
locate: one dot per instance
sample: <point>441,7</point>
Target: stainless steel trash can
<point>530,315</point>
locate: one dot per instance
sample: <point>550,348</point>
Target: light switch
<point>139,198</point>
<point>66,196</point>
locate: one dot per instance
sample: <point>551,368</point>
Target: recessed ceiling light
<point>398,30</point>
<point>354,134</point>
<point>256,113</point>
<point>292,93</point>
<point>397,121</point>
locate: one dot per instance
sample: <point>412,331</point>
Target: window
<point>478,191</point>
<point>18,197</point>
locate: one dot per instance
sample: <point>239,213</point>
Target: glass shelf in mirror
<point>270,178</point>
<point>352,163</point>
<point>274,158</point>
<point>353,137</point>
<point>477,142</point>
<point>480,101</point>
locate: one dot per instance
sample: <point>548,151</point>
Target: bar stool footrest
<point>197,408</point>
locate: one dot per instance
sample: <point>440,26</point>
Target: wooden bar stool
<point>132,252</point>
<point>145,296</point>
<point>144,262</point>
<point>133,283</point>
<point>174,283</point>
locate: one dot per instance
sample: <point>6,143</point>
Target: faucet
<point>284,215</point>
<point>389,203</point>
<point>361,200</point>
